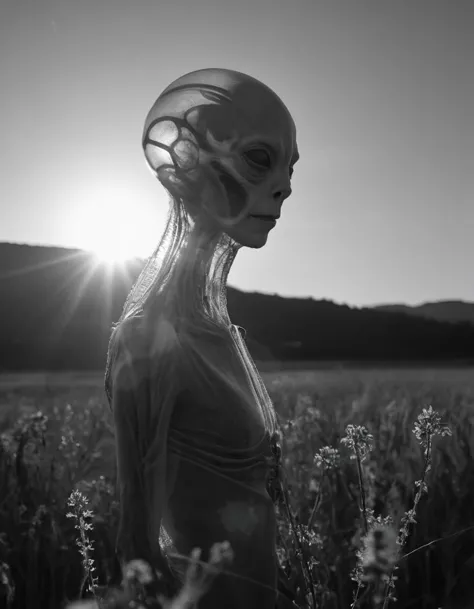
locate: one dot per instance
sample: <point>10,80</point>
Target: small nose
<point>281,195</point>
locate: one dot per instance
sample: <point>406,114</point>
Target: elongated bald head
<point>225,144</point>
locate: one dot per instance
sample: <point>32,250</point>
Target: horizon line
<point>340,303</point>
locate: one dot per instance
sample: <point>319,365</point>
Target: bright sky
<point>382,94</point>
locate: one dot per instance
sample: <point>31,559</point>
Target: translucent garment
<point>204,467</point>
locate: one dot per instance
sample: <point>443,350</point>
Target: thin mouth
<point>265,222</point>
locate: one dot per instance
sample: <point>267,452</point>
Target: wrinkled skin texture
<point>231,155</point>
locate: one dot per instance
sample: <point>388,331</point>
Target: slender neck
<point>206,262</point>
<point>186,277</point>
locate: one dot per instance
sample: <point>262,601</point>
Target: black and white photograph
<point>236,304</point>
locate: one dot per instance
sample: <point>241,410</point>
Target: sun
<point>110,253</point>
<point>111,228</point>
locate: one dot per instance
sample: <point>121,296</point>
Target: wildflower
<point>427,425</point>
<point>34,424</point>
<point>379,559</point>
<point>7,582</point>
<point>282,556</point>
<point>221,554</point>
<point>327,458</point>
<point>78,502</point>
<point>380,552</point>
<point>138,570</point>
<point>199,576</point>
<point>359,440</point>
<point>309,538</point>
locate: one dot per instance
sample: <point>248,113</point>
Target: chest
<point>217,404</point>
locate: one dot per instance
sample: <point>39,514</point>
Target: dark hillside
<point>57,307</point>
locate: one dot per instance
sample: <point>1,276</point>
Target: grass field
<point>57,436</point>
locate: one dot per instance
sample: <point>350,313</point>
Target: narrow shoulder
<point>141,340</point>
<point>131,338</point>
<point>147,352</point>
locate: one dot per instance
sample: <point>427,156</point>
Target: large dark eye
<point>258,156</point>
